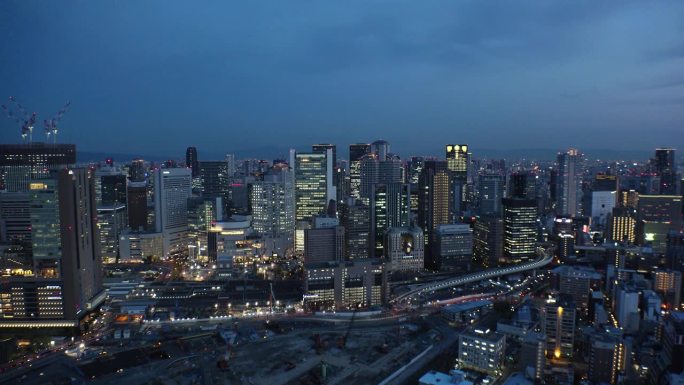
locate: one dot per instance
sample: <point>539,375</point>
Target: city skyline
<point>542,77</point>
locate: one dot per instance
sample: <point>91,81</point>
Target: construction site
<point>286,351</point>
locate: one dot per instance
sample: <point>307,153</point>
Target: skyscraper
<point>667,170</point>
<point>356,153</point>
<point>355,217</point>
<point>22,163</point>
<point>137,205</point>
<point>192,161</point>
<point>313,184</point>
<point>173,187</point>
<point>390,207</point>
<point>569,183</point>
<point>520,229</point>
<point>657,216</point>
<point>433,204</point>
<point>273,205</point>
<point>65,281</point>
<point>490,194</point>
<point>458,162</point>
<point>488,241</point>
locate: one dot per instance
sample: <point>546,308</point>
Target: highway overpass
<point>544,258</point>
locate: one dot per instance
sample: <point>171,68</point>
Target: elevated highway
<point>544,258</point>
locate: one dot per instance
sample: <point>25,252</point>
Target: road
<point>544,259</point>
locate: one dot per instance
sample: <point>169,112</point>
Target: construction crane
<point>50,125</point>
<point>26,120</point>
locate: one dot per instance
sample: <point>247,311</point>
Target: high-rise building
<point>22,163</point>
<point>667,170</point>
<point>202,212</point>
<point>111,222</point>
<point>404,249</point>
<point>192,161</point>
<point>173,187</point>
<point>273,204</point>
<point>137,205</point>
<point>558,323</point>
<point>356,154</point>
<point>381,149</point>
<point>65,282</point>
<point>112,189</point>
<point>520,229</point>
<point>313,184</point>
<point>627,307</point>
<point>532,354</point>
<point>15,220</point>
<point>324,243</point>
<point>569,183</point>
<point>137,171</point>
<point>577,282</point>
<point>323,149</point>
<point>521,185</point>
<point>622,225</point>
<point>606,359</point>
<point>490,194</point>
<point>458,162</point>
<point>390,207</point>
<point>214,179</point>
<point>345,285</point>
<point>669,284</point>
<point>488,241</point>
<point>355,217</point>
<point>657,216</point>
<point>433,204</point>
<point>453,246</point>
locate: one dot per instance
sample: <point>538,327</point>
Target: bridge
<point>544,258</point>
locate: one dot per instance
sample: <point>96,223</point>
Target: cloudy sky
<point>153,77</point>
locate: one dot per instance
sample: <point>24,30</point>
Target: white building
<point>273,205</point>
<point>172,188</point>
<point>482,350</point>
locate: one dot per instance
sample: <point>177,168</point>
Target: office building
<point>433,204</point>
<point>313,184</point>
<point>488,234</point>
<point>666,169</point>
<point>22,163</point>
<point>137,172</point>
<point>622,225</point>
<point>490,194</point>
<point>214,180</point>
<point>15,220</point>
<point>172,188</point>
<point>324,243</point>
<point>273,204</point>
<point>381,149</point>
<point>356,154</point>
<point>111,222</point>
<point>355,217</point>
<point>192,161</point>
<point>657,216</point>
<point>458,162</point>
<point>453,247</point>
<point>520,229</point>
<point>390,207</point>
<point>65,281</point>
<point>345,285</point>
<point>404,249</point>
<point>558,324</point>
<point>569,183</point>
<point>137,205</point>
<point>482,350</point>
<point>202,212</point>
<point>140,246</point>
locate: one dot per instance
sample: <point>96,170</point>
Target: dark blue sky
<point>257,77</point>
